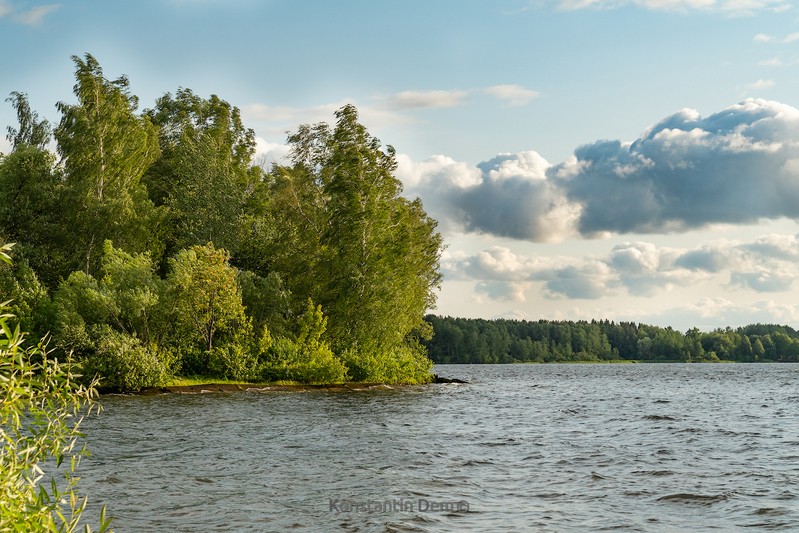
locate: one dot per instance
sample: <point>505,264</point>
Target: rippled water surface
<point>520,448</point>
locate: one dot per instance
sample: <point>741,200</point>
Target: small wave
<point>549,495</point>
<point>533,457</point>
<point>771,511</point>
<point>769,525</point>
<point>478,462</point>
<point>698,499</point>
<point>505,442</point>
<point>656,473</point>
<point>659,417</point>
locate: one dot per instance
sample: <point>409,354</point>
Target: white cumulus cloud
<point>736,166</point>
<point>509,195</point>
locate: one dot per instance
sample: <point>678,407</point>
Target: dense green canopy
<point>151,244</point>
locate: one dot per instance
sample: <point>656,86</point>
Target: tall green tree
<point>105,148</point>
<point>374,255</point>
<point>204,175</point>
<point>292,240</point>
<point>30,195</point>
<point>381,251</point>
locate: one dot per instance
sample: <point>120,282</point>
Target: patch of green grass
<point>188,381</point>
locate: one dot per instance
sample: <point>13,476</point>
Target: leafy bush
<point>233,361</point>
<point>307,359</point>
<point>405,364</point>
<point>287,360</point>
<point>29,299</point>
<point>123,363</point>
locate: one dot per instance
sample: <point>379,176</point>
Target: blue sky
<point>622,159</point>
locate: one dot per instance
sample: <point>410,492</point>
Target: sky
<point>632,160</point>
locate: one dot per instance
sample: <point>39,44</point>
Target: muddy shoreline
<point>255,387</point>
<point>268,387</point>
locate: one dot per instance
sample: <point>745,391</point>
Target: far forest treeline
<point>464,340</point>
<point>149,244</point>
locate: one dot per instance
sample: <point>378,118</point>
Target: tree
<point>758,351</point>
<point>30,195</point>
<point>205,299</point>
<point>204,175</point>
<point>291,240</point>
<point>105,148</point>
<point>32,131</point>
<point>744,351</point>
<point>380,251</point>
<point>352,243</point>
<point>28,297</point>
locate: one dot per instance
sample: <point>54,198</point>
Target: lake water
<point>637,447</point>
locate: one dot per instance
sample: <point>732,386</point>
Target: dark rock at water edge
<point>439,379</point>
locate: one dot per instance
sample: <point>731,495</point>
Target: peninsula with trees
<point>149,244</point>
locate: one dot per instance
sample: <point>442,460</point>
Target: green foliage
<point>403,364</point>
<point>28,296</point>
<point>106,148</point>
<point>288,360</point>
<point>41,409</point>
<point>32,131</point>
<point>131,284</point>
<point>306,359</point>
<point>112,325</point>
<point>124,363</point>
<point>266,300</point>
<point>80,303</point>
<point>352,243</point>
<point>381,251</point>
<point>205,298</point>
<point>207,247</point>
<point>30,209</point>
<point>233,361</point>
<point>204,175</point>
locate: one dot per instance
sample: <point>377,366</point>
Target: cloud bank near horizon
<point>769,264</point>
<point>686,172</point>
